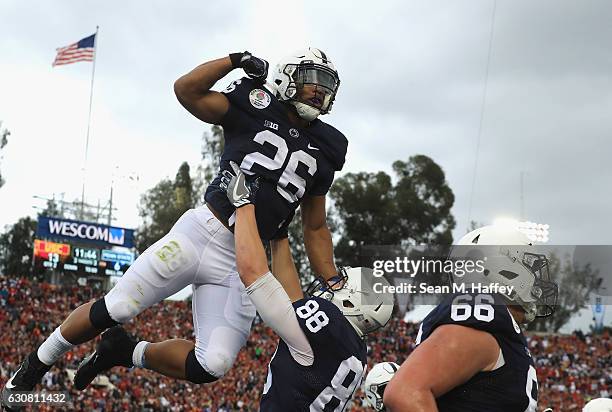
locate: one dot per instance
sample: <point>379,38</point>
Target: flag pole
<point>93,72</point>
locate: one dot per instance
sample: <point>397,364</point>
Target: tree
<point>212,148</point>
<point>213,143</point>
<point>183,188</point>
<point>576,283</point>
<point>161,206</point>
<point>369,209</point>
<point>4,134</point>
<point>17,246</point>
<point>424,201</point>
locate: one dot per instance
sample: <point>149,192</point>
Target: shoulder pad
<point>318,317</point>
<point>479,311</point>
<point>332,142</point>
<point>248,94</point>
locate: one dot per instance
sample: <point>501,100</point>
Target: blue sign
<point>51,227</point>
<point>122,258</point>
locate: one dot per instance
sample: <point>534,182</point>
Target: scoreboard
<point>81,260</point>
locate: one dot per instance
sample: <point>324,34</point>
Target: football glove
<point>239,192</point>
<point>254,67</point>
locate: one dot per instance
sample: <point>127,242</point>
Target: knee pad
<point>194,372</point>
<point>120,304</point>
<point>218,360</point>
<point>99,317</point>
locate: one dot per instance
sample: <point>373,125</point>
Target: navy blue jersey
<point>510,388</point>
<point>339,363</point>
<point>291,161</point>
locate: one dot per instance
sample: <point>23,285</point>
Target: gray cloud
<point>412,75</point>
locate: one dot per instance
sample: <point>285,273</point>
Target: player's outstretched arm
<point>266,292</point>
<point>251,258</point>
<point>463,351</point>
<point>283,268</point>
<point>193,89</point>
<point>317,237</point>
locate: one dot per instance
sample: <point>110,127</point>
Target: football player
<point>321,357</point>
<point>471,354</point>
<point>273,132</point>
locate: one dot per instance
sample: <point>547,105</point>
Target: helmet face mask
<point>353,293</point>
<point>307,68</point>
<point>323,81</point>
<point>375,396</point>
<point>319,287</point>
<point>544,290</point>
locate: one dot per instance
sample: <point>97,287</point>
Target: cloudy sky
<point>413,79</point>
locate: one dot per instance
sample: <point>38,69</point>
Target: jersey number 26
<point>289,174</point>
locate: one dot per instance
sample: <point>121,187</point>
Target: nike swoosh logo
<point>9,384</point>
<point>236,194</point>
<point>312,147</point>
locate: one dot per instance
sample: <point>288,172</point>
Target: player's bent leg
<point>162,270</point>
<point>130,296</point>
<point>194,371</point>
<point>174,358</point>
<point>222,317</point>
<point>222,320</point>
<point>168,357</point>
<point>80,327</point>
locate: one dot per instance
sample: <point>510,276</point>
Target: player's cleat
<point>30,373</point>
<point>114,349</point>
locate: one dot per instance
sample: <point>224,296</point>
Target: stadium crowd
<point>571,368</point>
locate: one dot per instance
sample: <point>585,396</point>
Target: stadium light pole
<point>537,232</point>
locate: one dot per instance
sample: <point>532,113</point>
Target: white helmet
<point>310,66</point>
<point>509,259</point>
<point>376,382</point>
<point>367,307</point>
<point>598,405</point>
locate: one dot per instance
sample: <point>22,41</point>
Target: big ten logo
<point>172,255</point>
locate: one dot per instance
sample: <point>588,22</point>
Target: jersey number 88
<point>315,319</point>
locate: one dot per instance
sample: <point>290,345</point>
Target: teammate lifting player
<point>321,357</point>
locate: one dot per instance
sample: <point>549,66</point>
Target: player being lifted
<point>321,357</point>
<point>273,132</point>
<point>471,353</point>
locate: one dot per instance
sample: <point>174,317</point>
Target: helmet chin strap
<point>305,111</point>
<point>529,310</point>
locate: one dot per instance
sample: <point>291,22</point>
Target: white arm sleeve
<point>276,310</point>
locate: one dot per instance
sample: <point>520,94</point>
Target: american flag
<point>81,51</point>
